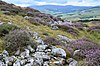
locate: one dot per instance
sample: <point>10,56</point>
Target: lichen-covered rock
<point>1,63</point>
<point>75,52</point>
<point>17,52</point>
<point>25,54</point>
<point>64,38</point>
<point>58,52</point>
<point>41,48</point>
<point>17,63</point>
<point>5,53</point>
<point>61,62</point>
<point>39,41</point>
<point>38,62</point>
<point>22,62</point>
<point>72,62</point>
<point>46,63</point>
<point>41,55</point>
<point>30,49</point>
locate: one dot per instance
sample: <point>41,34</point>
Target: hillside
<point>11,9</point>
<point>60,9</point>
<point>73,13</point>
<point>31,38</point>
<point>92,13</point>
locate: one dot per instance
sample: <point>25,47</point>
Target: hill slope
<point>73,13</point>
<point>61,9</point>
<point>11,9</point>
<point>92,13</point>
<point>28,34</point>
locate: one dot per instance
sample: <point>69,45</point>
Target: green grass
<point>1,45</point>
<point>1,13</point>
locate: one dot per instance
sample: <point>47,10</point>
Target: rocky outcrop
<point>42,55</point>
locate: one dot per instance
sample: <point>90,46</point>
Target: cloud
<point>72,2</point>
<point>55,2</point>
<point>83,3</point>
<point>23,5</point>
<point>45,3</point>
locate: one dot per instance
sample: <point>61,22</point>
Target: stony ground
<point>42,55</point>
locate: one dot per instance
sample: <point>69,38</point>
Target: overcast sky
<point>26,3</point>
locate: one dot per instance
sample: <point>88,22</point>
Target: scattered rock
<point>1,56</point>
<point>46,63</point>
<point>58,52</point>
<point>30,48</point>
<point>30,60</point>
<point>41,48</point>
<point>5,53</point>
<point>63,38</point>
<point>36,35</point>
<point>75,52</point>
<point>17,53</point>
<point>61,62</point>
<point>39,41</point>
<point>72,62</point>
<point>1,23</point>
<point>17,63</point>
<point>1,63</point>
<point>39,56</point>
<point>38,62</point>
<point>10,64</point>
<point>25,54</point>
<point>54,27</point>
<point>22,62</point>
<point>9,22</point>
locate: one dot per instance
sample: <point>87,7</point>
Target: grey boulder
<point>72,62</point>
<point>58,52</point>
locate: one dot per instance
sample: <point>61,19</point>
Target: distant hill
<point>70,12</point>
<point>92,13</point>
<point>62,9</point>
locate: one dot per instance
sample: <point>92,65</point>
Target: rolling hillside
<point>71,13</point>
<point>61,9</point>
<point>31,38</point>
<point>92,13</point>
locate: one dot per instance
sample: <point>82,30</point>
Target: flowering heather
<point>89,50</point>
<point>52,41</point>
<point>93,57</point>
<point>95,28</point>
<point>84,44</point>
<point>17,39</point>
<point>69,29</point>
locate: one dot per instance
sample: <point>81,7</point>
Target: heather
<point>17,39</point>
<point>6,28</point>
<point>88,50</point>
<point>94,28</point>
